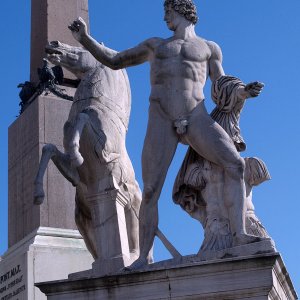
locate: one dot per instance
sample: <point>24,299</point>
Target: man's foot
<point>134,255</point>
<point>244,239</point>
<point>137,265</point>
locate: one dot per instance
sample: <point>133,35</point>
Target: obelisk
<point>49,21</point>
<point>40,124</point>
<point>44,243</point>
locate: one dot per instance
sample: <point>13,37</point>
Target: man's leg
<point>209,140</point>
<point>159,148</point>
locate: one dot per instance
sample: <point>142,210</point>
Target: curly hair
<point>185,8</point>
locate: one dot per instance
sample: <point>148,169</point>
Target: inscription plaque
<point>13,279</point>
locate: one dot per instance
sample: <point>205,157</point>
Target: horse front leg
<point>48,152</point>
<point>64,164</point>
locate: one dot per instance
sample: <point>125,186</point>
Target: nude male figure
<point>179,68</point>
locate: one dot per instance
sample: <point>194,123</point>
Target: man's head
<point>186,8</point>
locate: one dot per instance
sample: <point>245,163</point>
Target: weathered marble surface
<point>45,254</point>
<point>179,68</point>
<point>95,158</point>
<point>199,186</point>
<point>49,21</point>
<point>261,277</point>
<point>40,124</point>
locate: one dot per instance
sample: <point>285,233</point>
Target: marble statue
<point>95,158</point>
<point>179,68</point>
<point>199,185</point>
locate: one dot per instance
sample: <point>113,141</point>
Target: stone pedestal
<point>109,223</point>
<point>111,233</point>
<point>262,277</point>
<point>43,241</point>
<point>45,254</point>
<point>41,123</point>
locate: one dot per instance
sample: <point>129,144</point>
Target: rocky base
<point>265,246</point>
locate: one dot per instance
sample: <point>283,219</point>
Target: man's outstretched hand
<point>251,90</point>
<point>79,29</point>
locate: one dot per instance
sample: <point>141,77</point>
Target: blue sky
<point>260,41</point>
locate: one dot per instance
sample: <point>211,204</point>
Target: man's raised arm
<point>110,58</point>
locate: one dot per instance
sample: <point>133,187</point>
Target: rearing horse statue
<point>95,157</point>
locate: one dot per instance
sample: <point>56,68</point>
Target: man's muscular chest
<point>191,50</point>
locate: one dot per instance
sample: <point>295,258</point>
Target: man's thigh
<point>211,141</point>
<point>160,145</point>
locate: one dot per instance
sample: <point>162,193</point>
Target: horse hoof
<point>38,200</point>
<point>39,194</point>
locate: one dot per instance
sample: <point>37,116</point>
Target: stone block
<point>25,133</point>
<point>23,216</point>
<point>109,221</point>
<point>261,277</point>
<point>45,254</point>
